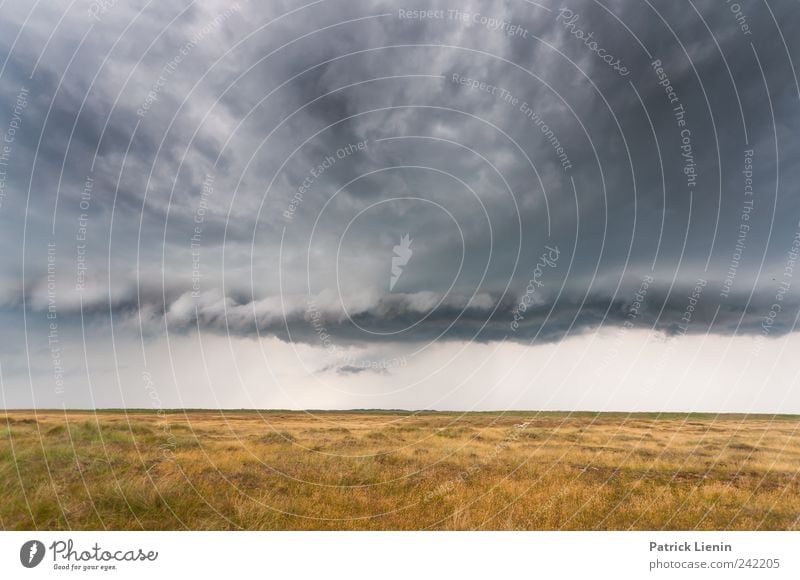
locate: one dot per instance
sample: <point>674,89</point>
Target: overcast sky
<point>381,204</point>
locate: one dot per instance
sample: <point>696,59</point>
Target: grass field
<point>399,471</point>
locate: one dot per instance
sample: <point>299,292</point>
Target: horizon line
<point>379,410</point>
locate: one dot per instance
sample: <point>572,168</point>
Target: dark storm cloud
<point>527,318</point>
<point>297,208</point>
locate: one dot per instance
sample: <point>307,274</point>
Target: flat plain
<point>362,470</point>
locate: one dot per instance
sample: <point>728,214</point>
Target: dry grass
<point>282,470</point>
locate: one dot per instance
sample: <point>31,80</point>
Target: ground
<point>210,470</point>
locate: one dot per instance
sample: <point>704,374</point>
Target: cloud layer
<point>252,169</point>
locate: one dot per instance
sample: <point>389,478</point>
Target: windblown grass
<point>379,471</point>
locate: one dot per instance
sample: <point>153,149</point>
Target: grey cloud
<point>608,230</point>
<point>375,318</point>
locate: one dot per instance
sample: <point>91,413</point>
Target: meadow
<point>281,470</point>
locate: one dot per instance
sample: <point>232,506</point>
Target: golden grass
<point>398,471</point>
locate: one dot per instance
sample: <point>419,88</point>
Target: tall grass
<point>282,470</point>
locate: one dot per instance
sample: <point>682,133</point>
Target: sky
<point>589,205</point>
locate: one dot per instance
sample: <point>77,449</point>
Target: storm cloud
<point>380,172</point>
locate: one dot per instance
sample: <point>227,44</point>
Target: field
<point>397,471</point>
